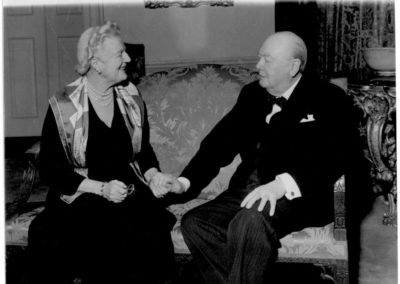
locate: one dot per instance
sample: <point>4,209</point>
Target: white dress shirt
<point>292,189</point>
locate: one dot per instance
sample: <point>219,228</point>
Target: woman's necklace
<point>103,99</point>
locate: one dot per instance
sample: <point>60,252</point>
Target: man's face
<point>113,59</point>
<point>274,65</point>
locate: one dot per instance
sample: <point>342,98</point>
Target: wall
<point>39,59</point>
<point>176,36</point>
<point>173,36</point>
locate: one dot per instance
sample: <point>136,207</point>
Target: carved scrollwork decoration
<point>379,106</point>
<point>154,4</point>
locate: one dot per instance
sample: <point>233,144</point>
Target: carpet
<point>187,272</point>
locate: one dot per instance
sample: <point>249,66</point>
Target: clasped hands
<point>160,184</point>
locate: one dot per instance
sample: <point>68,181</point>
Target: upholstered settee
<point>183,105</point>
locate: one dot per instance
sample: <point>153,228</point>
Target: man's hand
<point>160,184</point>
<point>177,187</point>
<point>271,192</point>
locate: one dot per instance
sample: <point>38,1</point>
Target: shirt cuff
<point>185,182</point>
<point>292,189</point>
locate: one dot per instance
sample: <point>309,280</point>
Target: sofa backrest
<point>183,105</point>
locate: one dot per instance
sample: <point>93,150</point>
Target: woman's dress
<point>101,241</point>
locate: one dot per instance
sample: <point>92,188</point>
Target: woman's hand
<point>115,191</point>
<point>160,184</point>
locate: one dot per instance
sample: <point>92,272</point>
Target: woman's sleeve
<point>147,159</point>
<point>54,168</point>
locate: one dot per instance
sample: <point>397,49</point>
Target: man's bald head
<point>283,57</point>
<point>290,43</point>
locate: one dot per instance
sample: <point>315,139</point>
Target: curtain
<point>302,18</point>
<point>346,27</point>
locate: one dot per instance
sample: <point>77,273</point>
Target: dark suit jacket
<point>315,153</point>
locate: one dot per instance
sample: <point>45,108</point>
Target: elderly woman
<point>102,220</point>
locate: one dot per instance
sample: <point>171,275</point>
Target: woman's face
<point>112,59</point>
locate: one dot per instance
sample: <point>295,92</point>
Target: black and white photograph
<point>199,142</point>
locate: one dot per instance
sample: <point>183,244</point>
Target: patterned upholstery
<point>183,105</point>
<point>315,243</point>
<point>17,229</point>
<point>310,243</point>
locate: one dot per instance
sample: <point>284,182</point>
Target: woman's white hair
<point>90,41</point>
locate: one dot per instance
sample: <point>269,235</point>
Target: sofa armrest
<point>339,226</point>
<point>31,175</point>
<point>27,184</point>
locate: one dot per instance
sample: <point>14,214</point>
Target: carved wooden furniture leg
<point>337,273</point>
<point>379,104</point>
<point>342,273</point>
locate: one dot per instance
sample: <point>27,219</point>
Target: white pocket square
<point>309,118</point>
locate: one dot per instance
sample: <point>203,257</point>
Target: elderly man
<point>296,136</point>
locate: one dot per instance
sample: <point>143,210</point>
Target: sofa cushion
<point>17,228</point>
<point>179,210</point>
<point>315,243</point>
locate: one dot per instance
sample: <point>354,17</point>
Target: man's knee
<point>252,223</point>
<point>252,227</point>
<point>247,218</point>
<point>190,222</point>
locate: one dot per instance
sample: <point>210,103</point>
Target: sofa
<point>184,103</point>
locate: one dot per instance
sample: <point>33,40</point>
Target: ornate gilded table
<point>378,102</point>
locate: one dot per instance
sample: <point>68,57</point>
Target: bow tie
<point>280,101</point>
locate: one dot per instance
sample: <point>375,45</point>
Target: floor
<point>378,263</point>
